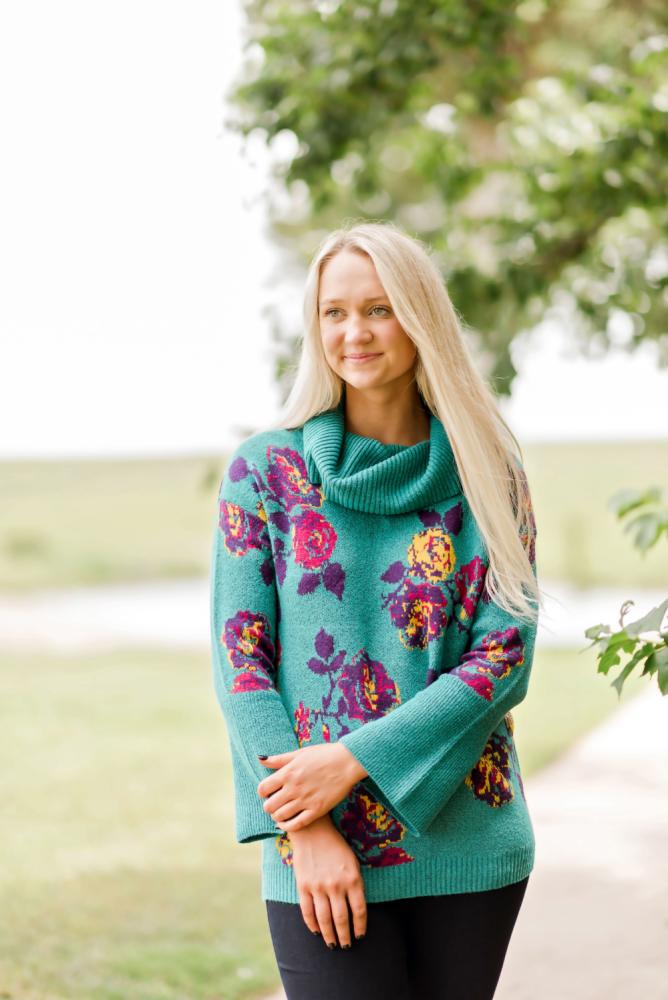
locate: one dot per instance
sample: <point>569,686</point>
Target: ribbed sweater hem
<point>441,875</point>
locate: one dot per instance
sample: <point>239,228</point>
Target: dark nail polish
<point>263,756</point>
<point>330,946</point>
<point>345,946</point>
<point>360,937</point>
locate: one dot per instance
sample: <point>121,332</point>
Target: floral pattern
<point>490,780</point>
<point>496,656</point>
<point>250,650</point>
<point>301,529</point>
<point>360,688</point>
<point>429,592</point>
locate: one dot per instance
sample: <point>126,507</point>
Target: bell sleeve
<point>419,753</point>
<point>244,616</point>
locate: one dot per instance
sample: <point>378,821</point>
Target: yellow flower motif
<point>431,555</point>
<point>284,847</point>
<point>261,512</point>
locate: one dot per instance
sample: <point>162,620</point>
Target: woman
<point>374,605</point>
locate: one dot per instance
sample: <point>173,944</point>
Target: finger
<point>299,821</point>
<point>269,785</point>
<point>287,811</point>
<point>339,906</point>
<point>275,801</point>
<point>324,916</point>
<point>357,902</point>
<point>308,911</point>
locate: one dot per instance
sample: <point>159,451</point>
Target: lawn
<point>121,878</point>
<point>88,522</point>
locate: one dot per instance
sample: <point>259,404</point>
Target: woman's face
<point>361,336</point>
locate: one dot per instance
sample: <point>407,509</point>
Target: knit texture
<point>348,603</point>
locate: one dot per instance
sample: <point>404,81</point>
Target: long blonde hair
<point>487,453</point>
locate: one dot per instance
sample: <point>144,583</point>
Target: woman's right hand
<point>328,877</point>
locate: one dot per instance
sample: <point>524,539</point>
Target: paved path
<point>594,922</point>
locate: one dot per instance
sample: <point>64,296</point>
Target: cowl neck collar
<point>365,474</point>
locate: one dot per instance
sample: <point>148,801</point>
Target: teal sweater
<point>348,603</point>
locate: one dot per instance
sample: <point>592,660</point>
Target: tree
<point>527,143</point>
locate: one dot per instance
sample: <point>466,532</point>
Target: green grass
<point>121,878</point>
<point>88,522</point>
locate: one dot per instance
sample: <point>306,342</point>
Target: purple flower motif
<point>368,689</point>
<point>242,531</point>
<point>419,611</point>
<point>490,778</point>
<point>288,479</point>
<point>250,650</point>
<point>371,830</point>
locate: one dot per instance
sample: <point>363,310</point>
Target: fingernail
<point>330,945</point>
<point>316,932</point>
<point>263,756</point>
<point>360,937</point>
<point>345,946</point>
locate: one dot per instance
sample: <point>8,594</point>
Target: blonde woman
<point>374,605</point>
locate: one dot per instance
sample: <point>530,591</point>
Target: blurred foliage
<point>645,640</point>
<point>526,143</point>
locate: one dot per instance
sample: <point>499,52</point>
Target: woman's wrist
<point>322,822</point>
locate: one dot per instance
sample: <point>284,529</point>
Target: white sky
<point>134,262</point>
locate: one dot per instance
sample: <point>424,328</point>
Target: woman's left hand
<point>308,783</point>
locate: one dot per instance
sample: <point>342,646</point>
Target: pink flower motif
<point>313,539</point>
<point>491,661</point>
<point>302,723</point>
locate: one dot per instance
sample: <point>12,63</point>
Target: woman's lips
<point>360,358</point>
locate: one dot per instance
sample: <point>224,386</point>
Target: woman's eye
<point>329,312</point>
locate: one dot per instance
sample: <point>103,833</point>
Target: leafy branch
<point>644,640</point>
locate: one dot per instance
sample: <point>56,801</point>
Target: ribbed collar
<point>365,474</point>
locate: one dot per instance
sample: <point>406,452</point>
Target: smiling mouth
<point>359,357</point>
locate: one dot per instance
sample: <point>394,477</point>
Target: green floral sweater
<point>348,602</point>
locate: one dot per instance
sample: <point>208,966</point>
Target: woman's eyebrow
<point>373,298</point>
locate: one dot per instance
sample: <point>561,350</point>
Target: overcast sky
<point>134,259</point>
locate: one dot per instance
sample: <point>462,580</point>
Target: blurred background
<point>168,171</point>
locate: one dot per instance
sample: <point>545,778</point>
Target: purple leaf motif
<point>267,571</point>
<point>281,520</point>
<point>308,583</point>
<point>453,518</point>
<point>334,578</point>
<point>319,666</point>
<point>429,518</point>
<point>324,644</point>
<point>238,470</point>
<point>393,573</point>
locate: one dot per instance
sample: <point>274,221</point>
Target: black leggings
<point>449,947</point>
